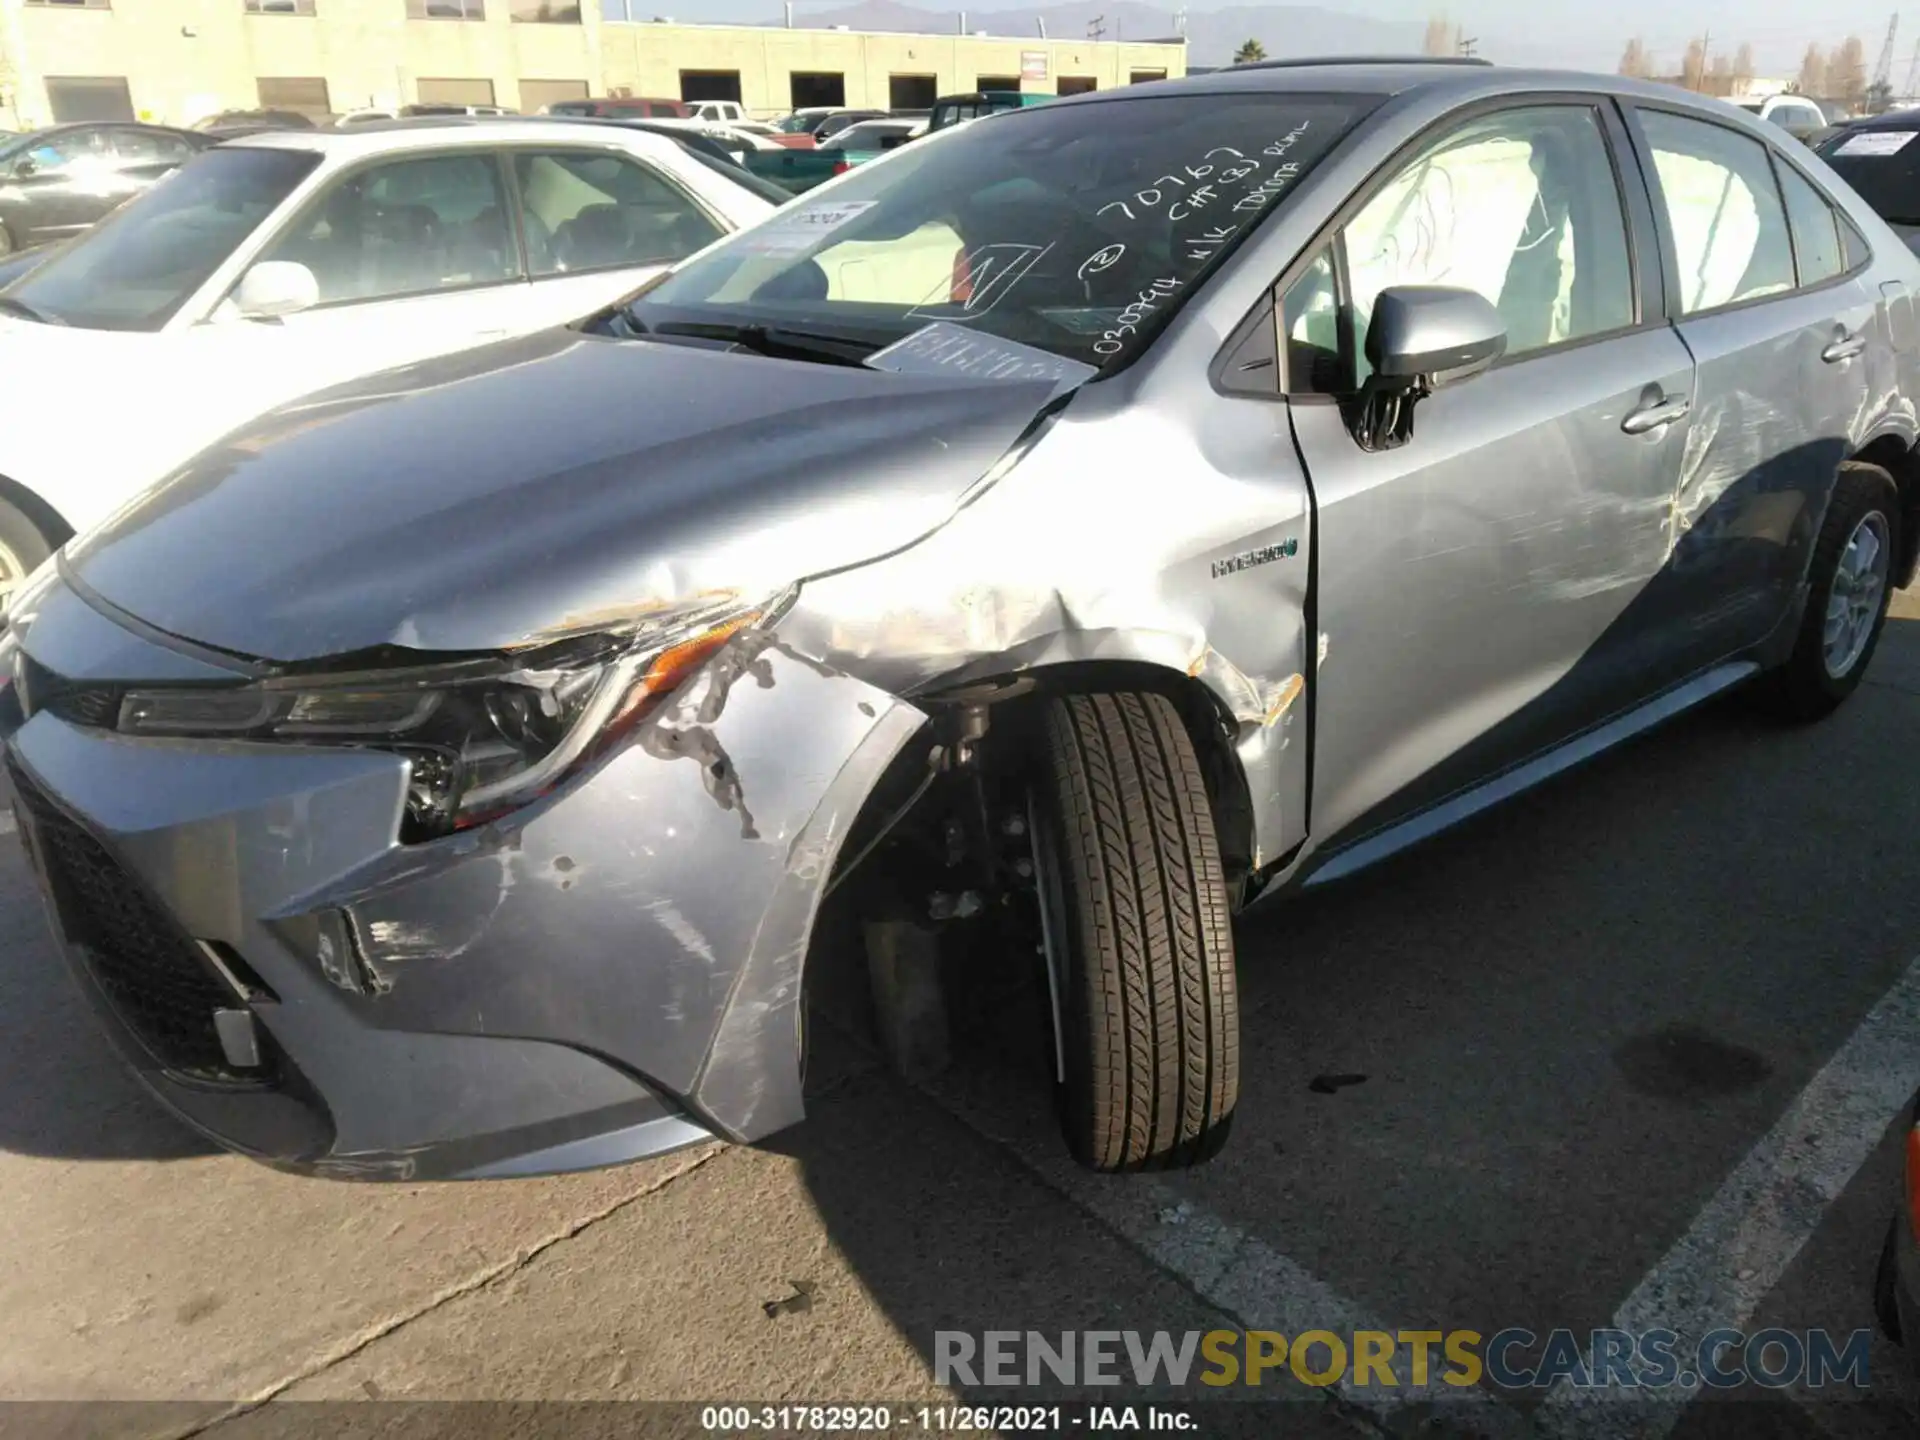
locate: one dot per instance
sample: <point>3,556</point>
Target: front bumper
<point>610,973</point>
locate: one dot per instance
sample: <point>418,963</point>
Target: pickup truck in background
<point>952,109</point>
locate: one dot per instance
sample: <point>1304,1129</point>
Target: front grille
<point>148,969</point>
<point>80,702</point>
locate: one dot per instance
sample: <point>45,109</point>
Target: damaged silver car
<point>1080,523</point>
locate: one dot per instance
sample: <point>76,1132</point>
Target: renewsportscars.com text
<point>1512,1359</point>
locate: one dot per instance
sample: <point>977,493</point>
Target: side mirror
<point>274,288</point>
<point>1425,336</point>
<point>25,166</point>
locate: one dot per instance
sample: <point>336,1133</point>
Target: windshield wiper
<point>774,340</point>
<point>27,312</point>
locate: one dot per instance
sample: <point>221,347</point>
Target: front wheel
<point>1849,587</point>
<point>23,545</point>
<point>1138,935</point>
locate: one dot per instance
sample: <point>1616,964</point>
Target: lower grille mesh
<point>148,969</point>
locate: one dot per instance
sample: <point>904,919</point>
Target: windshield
<point>1884,167</point>
<point>136,268</point>
<point>1073,228</point>
<point>797,123</point>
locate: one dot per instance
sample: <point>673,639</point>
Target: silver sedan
<point>1080,523</point>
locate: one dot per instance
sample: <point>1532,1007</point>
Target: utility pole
<point>1096,27</point>
<point>1913,73</point>
<point>1466,44</point>
<point>1883,67</point>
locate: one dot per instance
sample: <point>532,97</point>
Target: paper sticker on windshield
<point>947,349</point>
<point>1877,142</point>
<point>792,232</point>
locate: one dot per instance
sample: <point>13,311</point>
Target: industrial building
<point>175,61</point>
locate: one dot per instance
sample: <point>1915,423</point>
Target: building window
<point>1145,77</point>
<point>710,85</point>
<point>537,95</point>
<point>812,89</point>
<point>545,12</point>
<point>75,4</point>
<point>985,83</point>
<point>1074,85</point>
<point>278,7</point>
<point>78,97</point>
<point>456,92</point>
<point>302,94</point>
<point>911,92</point>
<point>446,9</point>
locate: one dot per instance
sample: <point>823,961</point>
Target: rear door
<point>1482,589</point>
<point>1777,321</point>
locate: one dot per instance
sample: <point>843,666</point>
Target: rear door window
<point>599,211</point>
<point>1730,231</point>
<point>1817,246</point>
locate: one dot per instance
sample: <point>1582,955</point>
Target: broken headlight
<point>483,736</point>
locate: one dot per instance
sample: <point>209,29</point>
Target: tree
<point>1847,73</point>
<point>1813,73</point>
<point>1635,61</point>
<point>1443,37</point>
<point>1693,70</point>
<point>1248,53</point>
<point>1743,64</point>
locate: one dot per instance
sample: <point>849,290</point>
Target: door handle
<point>1651,417</point>
<point>1845,348</point>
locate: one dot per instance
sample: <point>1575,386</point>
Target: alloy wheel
<point>1859,586</point>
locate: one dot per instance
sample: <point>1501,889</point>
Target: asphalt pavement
<point>1629,1051</point>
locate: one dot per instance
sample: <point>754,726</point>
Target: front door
<point>1482,587</point>
<point>414,257</point>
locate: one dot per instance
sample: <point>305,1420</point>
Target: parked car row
<point>288,260</point>
<point>1078,524</point>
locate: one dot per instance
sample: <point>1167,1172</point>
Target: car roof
<point>1458,80</point>
<point>1891,120</point>
<point>438,132</point>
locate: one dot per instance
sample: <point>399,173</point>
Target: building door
<point>537,95</point>
<point>710,85</point>
<point>79,97</point>
<point>808,89</point>
<point>301,95</point>
<point>1075,85</point>
<point>456,92</point>
<point>911,92</point>
<point>985,83</point>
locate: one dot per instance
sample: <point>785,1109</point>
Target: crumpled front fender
<point>658,913</point>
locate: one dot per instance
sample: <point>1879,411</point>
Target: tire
<point>23,545</point>
<point>1810,685</point>
<point>1137,923</point>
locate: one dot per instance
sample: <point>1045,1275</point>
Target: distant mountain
<point>1212,36</point>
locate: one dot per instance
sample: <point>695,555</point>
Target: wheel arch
<point>1203,713</point>
<point>1900,458</point>
<point>46,519</point>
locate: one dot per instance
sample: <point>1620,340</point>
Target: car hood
<point>539,486</point>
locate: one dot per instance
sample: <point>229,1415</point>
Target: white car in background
<point>288,261</point>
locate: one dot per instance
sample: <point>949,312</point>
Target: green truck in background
<point>952,109</point>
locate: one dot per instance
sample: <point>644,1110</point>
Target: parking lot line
<point>1744,1238</point>
<point>1231,1269</point>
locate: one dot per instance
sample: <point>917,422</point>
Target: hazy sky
<point>1779,30</point>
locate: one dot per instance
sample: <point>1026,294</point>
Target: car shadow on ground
<point>1559,1029</point>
